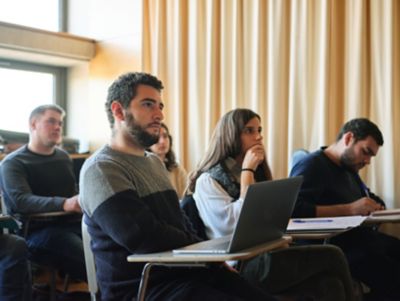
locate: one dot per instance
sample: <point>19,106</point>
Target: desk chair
<point>91,269</point>
<point>189,207</point>
<point>297,156</point>
<point>90,264</point>
<point>169,259</point>
<point>27,219</point>
<point>8,224</point>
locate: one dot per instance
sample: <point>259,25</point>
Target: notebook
<point>264,217</point>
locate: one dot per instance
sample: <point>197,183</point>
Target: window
<point>43,14</point>
<point>24,87</point>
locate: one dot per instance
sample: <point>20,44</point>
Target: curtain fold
<point>306,66</point>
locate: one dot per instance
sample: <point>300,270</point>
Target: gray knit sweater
<point>130,207</point>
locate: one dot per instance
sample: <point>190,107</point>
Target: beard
<point>347,160</point>
<point>139,134</point>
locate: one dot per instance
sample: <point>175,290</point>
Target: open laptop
<point>264,217</point>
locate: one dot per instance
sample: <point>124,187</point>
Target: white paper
<point>325,223</point>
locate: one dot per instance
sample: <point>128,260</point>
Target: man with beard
<point>38,178</point>
<point>332,187</point>
<point>131,207</point>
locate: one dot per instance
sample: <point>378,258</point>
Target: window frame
<point>62,24</point>
<point>60,79</point>
<point>62,15</point>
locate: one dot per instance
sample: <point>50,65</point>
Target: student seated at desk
<point>235,159</point>
<point>332,187</point>
<point>38,178</point>
<point>130,206</point>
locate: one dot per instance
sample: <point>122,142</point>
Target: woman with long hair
<point>163,149</point>
<point>234,160</point>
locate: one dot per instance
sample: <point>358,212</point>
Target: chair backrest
<point>3,204</point>
<point>4,209</point>
<point>90,263</point>
<point>297,156</point>
<point>7,224</point>
<point>188,205</point>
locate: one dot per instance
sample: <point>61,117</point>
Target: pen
<point>312,221</point>
<point>365,188</point>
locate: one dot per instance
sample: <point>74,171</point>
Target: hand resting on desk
<point>72,204</point>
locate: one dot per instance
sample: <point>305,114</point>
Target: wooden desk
<point>79,156</point>
<point>172,259</point>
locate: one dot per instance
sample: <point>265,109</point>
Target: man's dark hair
<point>361,129</point>
<point>124,89</point>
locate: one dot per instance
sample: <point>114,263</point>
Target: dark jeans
<point>374,258</point>
<point>15,282</point>
<point>59,246</point>
<point>212,284</point>
<point>320,272</point>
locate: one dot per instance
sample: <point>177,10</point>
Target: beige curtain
<point>305,66</point>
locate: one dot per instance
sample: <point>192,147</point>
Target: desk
<point>44,215</point>
<point>170,259</point>
<point>79,156</point>
<point>72,156</point>
<point>316,236</point>
<point>168,256</point>
<point>371,220</point>
<point>4,217</point>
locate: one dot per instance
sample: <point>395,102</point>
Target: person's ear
<point>32,124</point>
<point>348,138</point>
<point>117,110</point>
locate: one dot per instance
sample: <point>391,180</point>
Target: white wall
<point>117,26</point>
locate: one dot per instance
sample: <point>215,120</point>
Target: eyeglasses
<point>54,122</point>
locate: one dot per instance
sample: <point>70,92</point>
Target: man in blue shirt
<point>332,187</point>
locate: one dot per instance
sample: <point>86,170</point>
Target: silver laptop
<point>264,217</point>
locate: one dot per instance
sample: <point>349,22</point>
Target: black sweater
<point>326,183</point>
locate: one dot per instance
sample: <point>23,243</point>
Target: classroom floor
<point>41,286</point>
